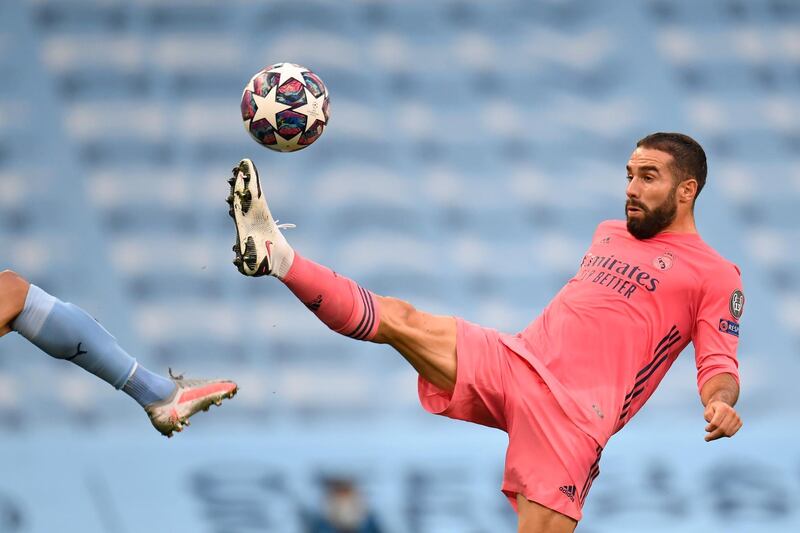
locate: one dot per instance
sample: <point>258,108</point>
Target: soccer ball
<point>285,107</point>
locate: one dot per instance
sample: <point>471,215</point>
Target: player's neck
<point>682,224</point>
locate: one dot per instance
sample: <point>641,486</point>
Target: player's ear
<point>687,190</point>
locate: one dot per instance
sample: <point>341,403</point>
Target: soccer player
<point>645,288</point>
<point>65,331</point>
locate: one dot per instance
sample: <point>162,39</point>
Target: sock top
<point>38,305</point>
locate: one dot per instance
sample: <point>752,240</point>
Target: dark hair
<point>689,159</point>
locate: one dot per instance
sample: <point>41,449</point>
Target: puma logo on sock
<point>78,352</point>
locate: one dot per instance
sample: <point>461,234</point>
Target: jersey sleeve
<point>716,328</point>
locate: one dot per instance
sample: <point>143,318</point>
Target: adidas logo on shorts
<point>569,491</point>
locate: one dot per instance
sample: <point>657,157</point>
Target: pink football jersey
<point>606,340</point>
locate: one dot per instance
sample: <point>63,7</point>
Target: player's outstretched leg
<point>65,331</point>
<point>427,341</point>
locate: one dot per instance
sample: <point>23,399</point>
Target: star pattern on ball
<point>267,107</point>
<point>290,107</point>
<point>289,70</point>
<point>312,108</point>
<point>285,145</point>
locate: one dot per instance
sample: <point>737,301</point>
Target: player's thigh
<point>13,291</point>
<point>535,518</point>
<point>426,340</point>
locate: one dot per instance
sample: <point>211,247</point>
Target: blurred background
<point>471,151</point>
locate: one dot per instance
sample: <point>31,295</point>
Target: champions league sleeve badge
<point>729,326</point>
<point>736,304</point>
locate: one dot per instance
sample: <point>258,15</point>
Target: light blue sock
<point>146,387</point>
<point>65,331</point>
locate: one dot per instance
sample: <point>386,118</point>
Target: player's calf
<point>339,302</point>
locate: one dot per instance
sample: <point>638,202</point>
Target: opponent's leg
<point>65,331</point>
<point>427,341</point>
<point>535,518</point>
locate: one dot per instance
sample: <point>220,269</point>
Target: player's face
<point>651,205</point>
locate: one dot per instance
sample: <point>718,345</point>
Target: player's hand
<point>723,421</point>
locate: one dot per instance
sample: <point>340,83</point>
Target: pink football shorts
<point>549,460</point>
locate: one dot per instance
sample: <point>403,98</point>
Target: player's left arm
<point>719,395</point>
<point>716,339</point>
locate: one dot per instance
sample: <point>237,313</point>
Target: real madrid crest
<point>664,261</point>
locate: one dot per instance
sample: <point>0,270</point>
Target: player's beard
<point>653,221</point>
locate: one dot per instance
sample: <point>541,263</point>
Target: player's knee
<point>396,315</point>
<point>13,289</point>
<point>400,312</point>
